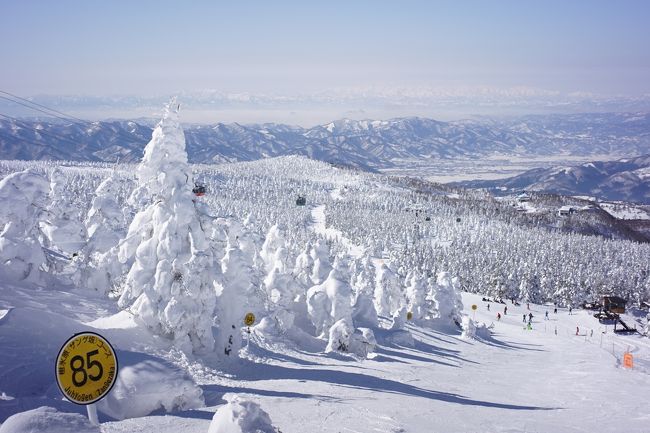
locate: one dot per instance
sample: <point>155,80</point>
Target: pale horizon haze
<point>305,62</point>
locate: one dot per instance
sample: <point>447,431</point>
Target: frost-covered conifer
<point>363,275</point>
<point>62,226</point>
<point>388,297</point>
<point>320,256</point>
<point>399,319</point>
<point>447,298</point>
<point>304,266</point>
<point>170,285</point>
<point>339,291</point>
<point>236,299</point>
<point>273,245</point>
<point>339,336</point>
<point>105,227</point>
<point>364,313</point>
<point>330,301</point>
<point>105,220</point>
<point>21,253</point>
<point>416,297</point>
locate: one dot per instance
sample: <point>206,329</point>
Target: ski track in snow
<point>319,226</point>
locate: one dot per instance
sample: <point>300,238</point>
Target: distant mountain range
<point>626,180</point>
<point>366,144</point>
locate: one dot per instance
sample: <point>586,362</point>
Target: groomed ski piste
<point>362,298</point>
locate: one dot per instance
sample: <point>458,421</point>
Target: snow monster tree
<point>170,285</point>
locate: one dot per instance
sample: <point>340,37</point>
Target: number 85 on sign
<point>86,368</point>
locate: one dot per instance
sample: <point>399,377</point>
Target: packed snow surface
<point>512,380</point>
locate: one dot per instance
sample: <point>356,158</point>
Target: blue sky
<point>289,47</point>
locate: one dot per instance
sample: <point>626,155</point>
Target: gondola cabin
<point>198,190</point>
<point>301,201</point>
<point>614,304</point>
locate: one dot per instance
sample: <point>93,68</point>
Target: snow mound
<point>339,336</point>
<point>362,342</point>
<point>400,337</point>
<point>241,416</point>
<point>47,419</point>
<point>483,330</point>
<point>148,386</point>
<point>469,328</point>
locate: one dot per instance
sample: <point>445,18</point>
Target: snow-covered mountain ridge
<point>626,179</point>
<point>367,144</point>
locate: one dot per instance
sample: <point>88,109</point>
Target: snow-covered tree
<point>105,227</point>
<point>447,298</point>
<point>237,297</point>
<point>105,220</point>
<point>388,296</point>
<point>339,336</point>
<point>274,245</point>
<point>320,257</point>
<point>303,267</point>
<point>170,285</point>
<point>330,301</point>
<point>363,275</point>
<point>62,226</point>
<point>21,253</point>
<point>416,297</point>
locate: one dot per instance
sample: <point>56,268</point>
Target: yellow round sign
<point>86,368</point>
<point>249,319</point>
<point>409,316</point>
<point>474,307</point>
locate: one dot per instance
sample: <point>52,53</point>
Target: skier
<point>570,310</point>
<point>577,330</point>
<point>530,317</point>
<point>528,305</point>
<point>524,318</point>
<point>546,315</point>
<point>488,307</point>
<point>555,310</point>
<point>505,310</point>
<point>498,316</point>
<point>529,326</point>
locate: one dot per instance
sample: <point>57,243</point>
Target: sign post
<point>249,320</point>
<point>86,369</point>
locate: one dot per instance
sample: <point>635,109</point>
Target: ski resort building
<point>614,304</point>
<point>565,211</point>
<point>523,198</point>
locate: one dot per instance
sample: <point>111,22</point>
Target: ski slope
<point>515,381</point>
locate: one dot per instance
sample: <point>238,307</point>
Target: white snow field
<point>362,298</point>
<point>514,381</point>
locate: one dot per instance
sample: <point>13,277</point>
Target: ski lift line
<point>42,106</point>
<point>75,120</point>
<point>43,111</point>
